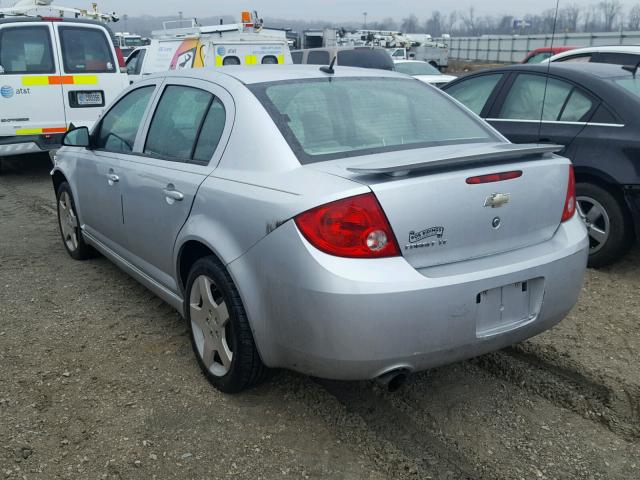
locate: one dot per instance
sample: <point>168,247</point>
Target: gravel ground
<point>97,380</point>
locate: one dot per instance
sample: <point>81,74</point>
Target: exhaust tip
<point>393,380</point>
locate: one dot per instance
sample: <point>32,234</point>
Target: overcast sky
<point>334,10</point>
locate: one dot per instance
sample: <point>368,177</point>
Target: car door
<point>99,186</point>
<point>180,147</point>
<point>28,72</point>
<point>521,115</point>
<point>92,77</point>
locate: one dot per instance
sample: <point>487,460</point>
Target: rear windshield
<point>365,58</point>
<point>325,119</point>
<point>630,84</point>
<point>86,50</point>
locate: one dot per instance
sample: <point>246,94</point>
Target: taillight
<point>494,177</point>
<point>570,202</point>
<point>121,63</point>
<point>354,227</point>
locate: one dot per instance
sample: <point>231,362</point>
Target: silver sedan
<point>347,223</point>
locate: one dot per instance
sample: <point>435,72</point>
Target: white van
<point>54,72</point>
<point>208,47</point>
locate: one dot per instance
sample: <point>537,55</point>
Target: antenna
<point>329,69</point>
<point>546,83</point>
<point>632,69</point>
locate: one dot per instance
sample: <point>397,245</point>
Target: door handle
<point>173,195</point>
<point>113,178</point>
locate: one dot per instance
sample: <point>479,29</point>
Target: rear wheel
<point>220,333</point>
<point>607,221</point>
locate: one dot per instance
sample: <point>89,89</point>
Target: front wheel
<point>607,221</point>
<point>70,226</point>
<point>220,333</point>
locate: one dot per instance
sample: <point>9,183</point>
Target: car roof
<point>279,73</point>
<point>571,70</point>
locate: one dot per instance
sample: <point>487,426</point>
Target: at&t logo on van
<point>7,91</point>
<point>222,51</point>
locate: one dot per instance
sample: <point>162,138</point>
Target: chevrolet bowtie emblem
<point>497,200</point>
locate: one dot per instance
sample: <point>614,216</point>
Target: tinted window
<point>211,132</point>
<point>365,58</point>
<point>176,122</point>
<point>269,60</point>
<point>576,58</point>
<point>86,50</point>
<point>231,60</point>
<point>297,57</point>
<point>26,50</point>
<point>524,101</point>
<point>616,58</point>
<point>538,57</point>
<point>118,129</point>
<point>475,92</point>
<point>344,117</point>
<point>417,68</point>
<point>318,57</point>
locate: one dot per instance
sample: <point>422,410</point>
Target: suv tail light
<point>121,63</point>
<point>354,227</point>
<point>570,203</point>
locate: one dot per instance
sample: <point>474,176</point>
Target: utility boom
<point>44,8</point>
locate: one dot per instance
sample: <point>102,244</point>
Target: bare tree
<point>410,24</point>
<point>434,25</point>
<point>610,11</point>
<point>570,16</point>
<point>470,20</point>
<point>451,22</point>
<point>634,17</point>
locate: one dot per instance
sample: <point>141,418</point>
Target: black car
<point>591,109</point>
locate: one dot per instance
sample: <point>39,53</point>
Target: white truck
<point>248,43</point>
<point>58,66</point>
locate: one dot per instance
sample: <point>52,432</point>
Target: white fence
<point>513,48</point>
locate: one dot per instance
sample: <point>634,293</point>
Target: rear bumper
<point>21,145</point>
<point>357,319</point>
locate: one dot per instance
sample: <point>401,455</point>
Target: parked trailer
<point>514,48</point>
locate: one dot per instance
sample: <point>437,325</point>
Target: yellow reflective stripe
<point>85,79</point>
<point>280,59</point>
<point>33,81</point>
<point>250,60</point>
<point>218,61</point>
<point>29,131</point>
<point>43,80</point>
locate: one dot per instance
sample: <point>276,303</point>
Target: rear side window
<point>297,57</point>
<point>86,50</point>
<point>524,100</point>
<point>475,92</point>
<point>365,58</point>
<point>119,127</point>
<point>318,57</point>
<point>176,122</point>
<point>26,50</point>
<point>211,133</point>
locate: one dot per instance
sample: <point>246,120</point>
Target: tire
<point>220,333</point>
<point>608,222</point>
<point>70,230</point>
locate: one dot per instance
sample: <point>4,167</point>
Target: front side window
<point>176,122</point>
<point>86,50</point>
<point>524,101</point>
<point>335,118</point>
<point>475,92</point>
<point>26,50</point>
<point>118,129</point>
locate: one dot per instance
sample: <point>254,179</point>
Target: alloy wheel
<point>597,220</point>
<point>68,222</point>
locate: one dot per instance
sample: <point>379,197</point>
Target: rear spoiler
<point>457,158</point>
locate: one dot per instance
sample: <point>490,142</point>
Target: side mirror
<point>78,137</point>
